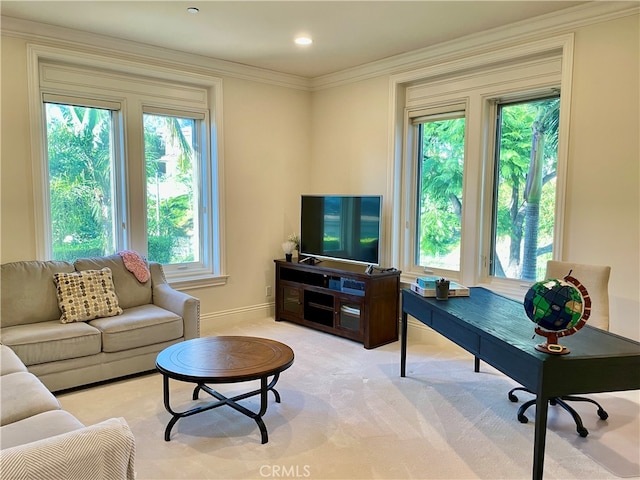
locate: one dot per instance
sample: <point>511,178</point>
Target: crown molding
<point>110,47</point>
<point>520,32</point>
<point>483,42</point>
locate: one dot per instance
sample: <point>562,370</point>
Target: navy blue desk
<point>497,331</point>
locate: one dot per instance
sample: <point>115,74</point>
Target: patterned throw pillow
<point>86,295</point>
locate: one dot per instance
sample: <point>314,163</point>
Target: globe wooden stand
<point>551,346</point>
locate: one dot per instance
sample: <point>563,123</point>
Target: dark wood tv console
<point>341,299</point>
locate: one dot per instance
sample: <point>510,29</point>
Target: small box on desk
<point>455,290</point>
<point>427,282</point>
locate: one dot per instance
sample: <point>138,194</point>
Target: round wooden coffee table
<point>224,360</point>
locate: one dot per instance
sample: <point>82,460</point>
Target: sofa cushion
<point>9,361</point>
<point>50,341</point>
<point>37,427</point>
<point>131,293</point>
<point>86,295</point>
<point>138,327</point>
<point>23,395</point>
<point>28,293</point>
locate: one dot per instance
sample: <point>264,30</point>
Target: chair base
<point>561,401</point>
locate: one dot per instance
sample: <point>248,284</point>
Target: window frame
<point>117,171</point>
<point>497,105</point>
<point>79,75</point>
<point>203,166</point>
<point>417,118</point>
<point>515,73</point>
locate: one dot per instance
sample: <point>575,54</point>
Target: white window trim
<point>37,54</point>
<point>477,200</point>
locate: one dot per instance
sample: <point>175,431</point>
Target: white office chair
<point>595,278</point>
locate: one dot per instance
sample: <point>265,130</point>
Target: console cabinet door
<point>291,305</point>
<point>350,316</point>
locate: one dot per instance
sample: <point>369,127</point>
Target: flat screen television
<point>341,227</point>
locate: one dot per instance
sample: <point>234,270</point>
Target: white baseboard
<point>248,313</point>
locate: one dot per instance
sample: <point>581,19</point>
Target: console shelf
<point>341,299</point>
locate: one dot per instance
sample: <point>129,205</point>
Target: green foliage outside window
<point>526,171</point>
<point>169,160</point>
<point>440,204</point>
<point>82,184</point>
<point>524,197</point>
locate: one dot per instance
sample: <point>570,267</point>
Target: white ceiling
<point>345,33</point>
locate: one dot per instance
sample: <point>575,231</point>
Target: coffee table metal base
<point>222,400</point>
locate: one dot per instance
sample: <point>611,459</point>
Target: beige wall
<point>266,145</point>
<point>350,138</point>
<point>266,155</point>
<point>17,221</point>
<point>280,142</point>
<point>602,221</point>
<point>603,204</point>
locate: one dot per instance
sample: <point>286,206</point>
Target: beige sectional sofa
<point>39,440</point>
<point>66,355</point>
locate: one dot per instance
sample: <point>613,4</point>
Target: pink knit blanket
<point>135,263</point>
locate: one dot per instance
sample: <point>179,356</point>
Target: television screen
<point>341,227</point>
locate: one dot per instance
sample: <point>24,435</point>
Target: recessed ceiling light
<point>193,10</point>
<point>303,40</point>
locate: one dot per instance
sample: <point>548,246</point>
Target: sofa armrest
<point>104,450</point>
<point>180,303</point>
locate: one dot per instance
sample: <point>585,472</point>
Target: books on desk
<point>427,282</point>
<point>455,290</point>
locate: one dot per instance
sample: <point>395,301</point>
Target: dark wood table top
<point>224,359</point>
<point>497,330</point>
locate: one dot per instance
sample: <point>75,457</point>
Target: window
<point>480,158</point>
<point>80,147</point>
<point>440,163</point>
<point>130,164</point>
<point>173,227</point>
<point>525,188</point>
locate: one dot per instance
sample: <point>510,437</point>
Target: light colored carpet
<point>347,414</point>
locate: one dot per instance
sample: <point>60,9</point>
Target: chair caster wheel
<point>523,419</point>
<point>583,432</point>
<point>602,414</point>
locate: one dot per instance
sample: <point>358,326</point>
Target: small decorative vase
<point>288,256</point>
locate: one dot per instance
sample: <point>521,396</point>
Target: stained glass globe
<point>559,308</point>
<point>554,305</point>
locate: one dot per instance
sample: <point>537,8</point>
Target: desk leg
<point>403,345</point>
<point>476,364</point>
<point>542,405</point>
